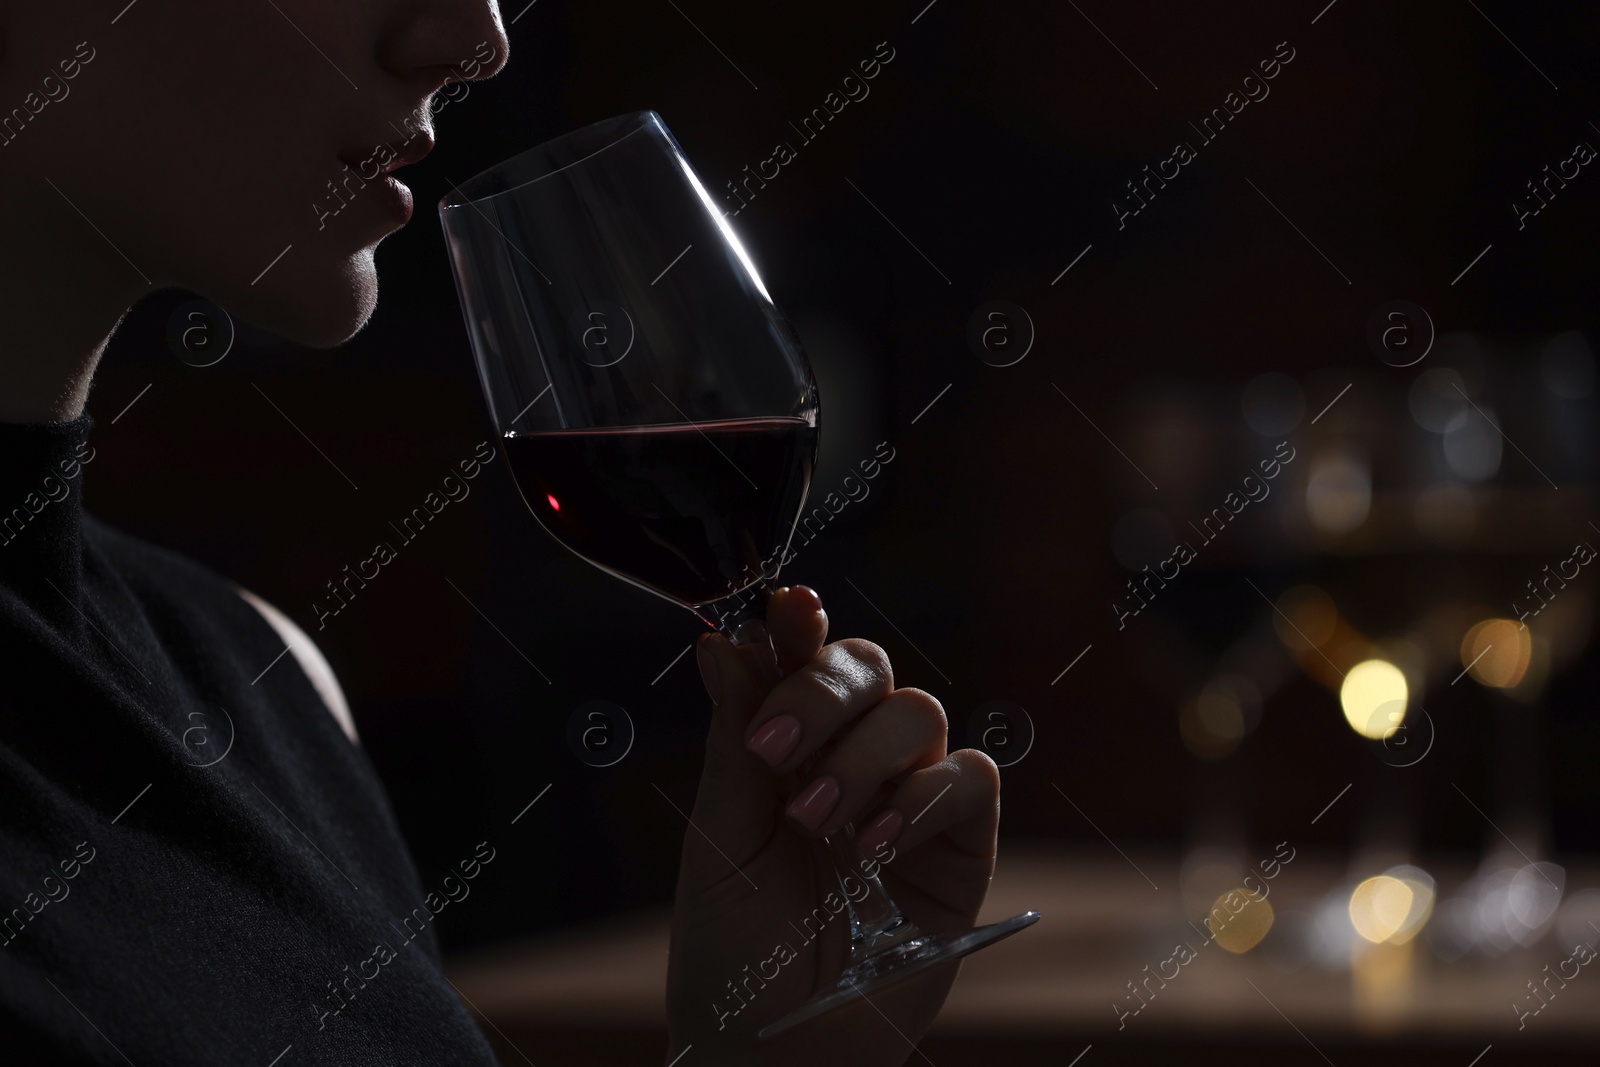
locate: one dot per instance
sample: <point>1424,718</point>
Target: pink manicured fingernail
<point>880,833</point>
<point>776,739</point>
<point>815,802</point>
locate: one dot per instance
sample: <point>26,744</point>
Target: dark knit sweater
<point>197,866</point>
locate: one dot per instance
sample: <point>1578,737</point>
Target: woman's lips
<point>390,156</point>
<point>377,179</point>
<point>356,189</point>
<point>412,150</point>
<point>397,195</point>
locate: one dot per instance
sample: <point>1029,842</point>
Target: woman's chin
<point>318,308</point>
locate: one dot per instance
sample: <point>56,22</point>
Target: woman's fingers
<point>733,806</point>
<point>959,797</point>
<point>798,626</point>
<point>902,733</point>
<point>802,712</point>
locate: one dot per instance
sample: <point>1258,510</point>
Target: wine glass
<point>658,413</point>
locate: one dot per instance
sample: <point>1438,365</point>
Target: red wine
<point>689,511</point>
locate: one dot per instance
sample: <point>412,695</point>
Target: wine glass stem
<point>727,614</point>
<point>875,922</point>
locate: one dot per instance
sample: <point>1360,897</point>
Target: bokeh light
<point>1496,652</point>
<point>1338,490</point>
<point>1213,723</point>
<point>1273,404</point>
<point>1305,619</point>
<point>1504,906</point>
<point>1211,727</point>
<point>1380,906</point>
<point>1239,919</point>
<point>1473,446</point>
<point>1374,697</point>
<point>1421,884</point>
<point>1532,899</point>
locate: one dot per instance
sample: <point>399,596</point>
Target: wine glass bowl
<point>658,411</point>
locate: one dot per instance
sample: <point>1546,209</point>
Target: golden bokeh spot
<point>1207,727</point>
<point>1374,697</point>
<point>1496,652</point>
<point>1239,920</point>
<point>1380,907</point>
<point>1220,713</point>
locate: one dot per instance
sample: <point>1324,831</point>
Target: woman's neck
<point>62,300</point>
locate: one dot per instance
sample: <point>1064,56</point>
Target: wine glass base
<point>895,965</point>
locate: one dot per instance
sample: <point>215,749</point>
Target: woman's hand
<point>758,925</point>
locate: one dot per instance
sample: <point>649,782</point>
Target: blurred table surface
<point>594,996</point>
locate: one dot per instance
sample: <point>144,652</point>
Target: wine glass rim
<point>610,132</point>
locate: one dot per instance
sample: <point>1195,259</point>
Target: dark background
<point>995,140</point>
